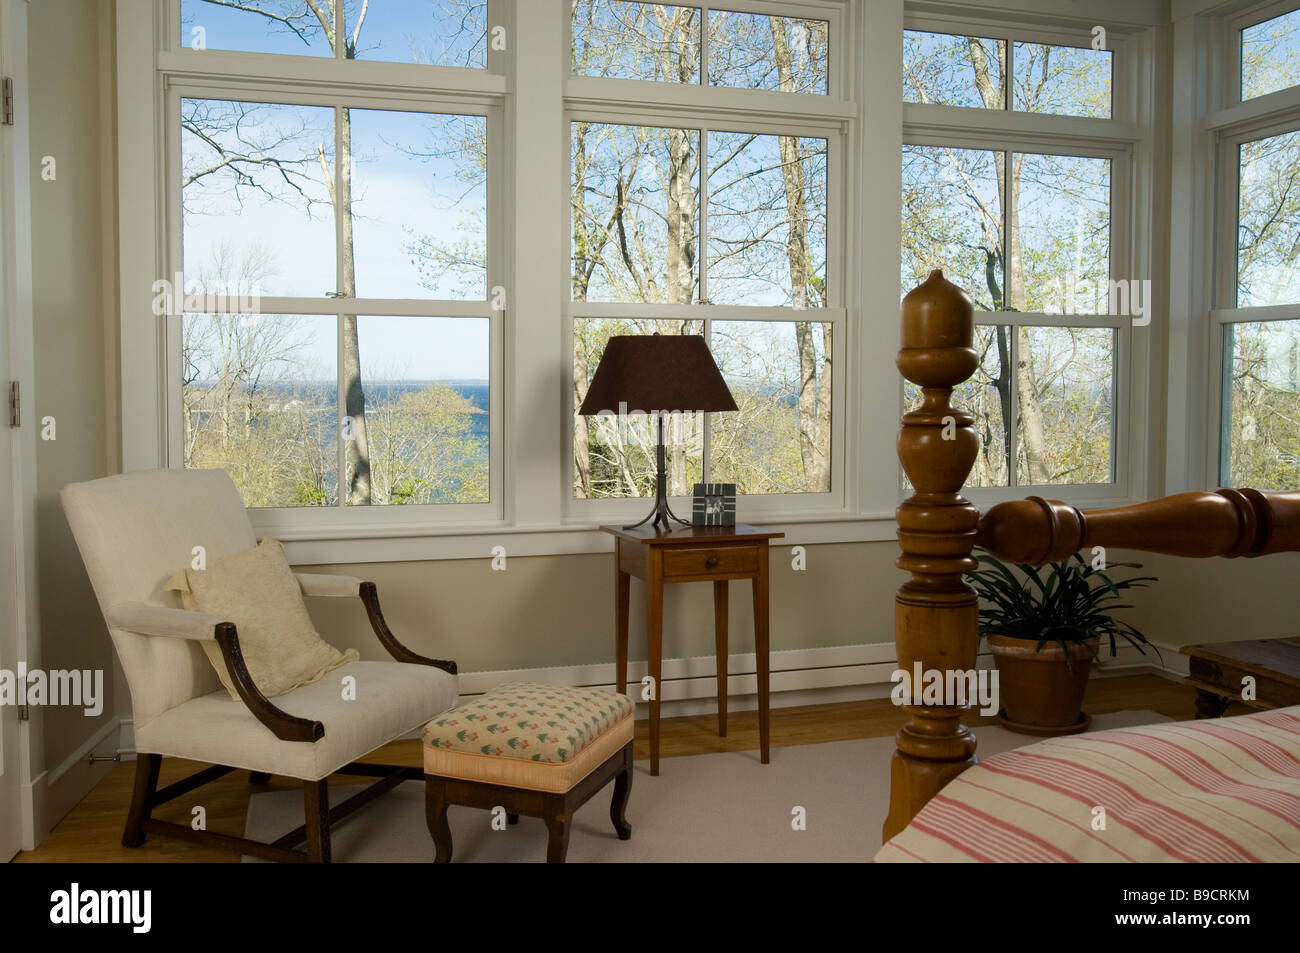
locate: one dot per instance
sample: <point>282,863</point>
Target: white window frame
<point>708,108</point>
<point>531,83</point>
<point>1238,121</point>
<point>1125,140</point>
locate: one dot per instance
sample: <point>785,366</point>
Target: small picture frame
<point>715,505</point>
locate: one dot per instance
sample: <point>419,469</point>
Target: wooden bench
<point>1218,670</point>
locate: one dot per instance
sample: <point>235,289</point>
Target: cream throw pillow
<point>257,591</point>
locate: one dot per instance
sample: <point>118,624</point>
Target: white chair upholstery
<point>134,531</point>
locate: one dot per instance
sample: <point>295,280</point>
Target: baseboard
<point>798,676</point>
<point>817,676</point>
<point>72,779</point>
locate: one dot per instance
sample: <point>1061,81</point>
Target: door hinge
<point>24,713</point>
<point>8,101</point>
<point>15,405</point>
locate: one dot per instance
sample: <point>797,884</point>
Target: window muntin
<point>427,32</point>
<point>655,42</point>
<point>389,421</point>
<point>1028,234</point>
<point>636,238</point>
<point>1061,80</point>
<point>1268,221</point>
<point>970,71</point>
<point>1270,56</point>
<point>1261,403</point>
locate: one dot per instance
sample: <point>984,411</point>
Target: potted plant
<point>1044,634</point>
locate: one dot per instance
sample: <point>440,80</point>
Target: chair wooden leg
<point>557,845</point>
<point>622,791</point>
<point>435,815</point>
<point>258,777</point>
<point>317,810</point>
<point>146,784</point>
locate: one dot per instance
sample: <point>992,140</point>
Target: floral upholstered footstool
<point>539,750</point>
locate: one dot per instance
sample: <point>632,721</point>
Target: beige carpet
<point>712,807</point>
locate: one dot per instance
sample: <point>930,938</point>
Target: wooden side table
<point>1217,669</point>
<point>714,554</point>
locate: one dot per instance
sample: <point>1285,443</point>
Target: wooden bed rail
<point>936,615</point>
<point>1224,523</point>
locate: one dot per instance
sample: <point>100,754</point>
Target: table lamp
<point>658,374</point>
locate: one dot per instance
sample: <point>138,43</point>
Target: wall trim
<point>63,787</point>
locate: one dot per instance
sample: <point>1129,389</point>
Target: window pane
<point>259,398</point>
<point>1261,405</point>
<point>1060,236</point>
<point>755,51</point>
<point>424,419</point>
<point>1268,222</point>
<point>430,32</point>
<point>1062,80</point>
<point>767,220</point>
<point>780,376</point>
<point>419,204</point>
<point>635,211</point>
<point>623,39</point>
<point>952,219</point>
<point>253,189</point>
<point>614,456</point>
<point>987,396</point>
<point>1065,391</point>
<point>1270,55</point>
<point>437,32</point>
<point>952,70</point>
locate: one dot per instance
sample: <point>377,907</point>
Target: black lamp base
<point>661,515</point>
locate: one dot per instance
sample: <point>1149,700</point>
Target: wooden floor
<point>92,832</point>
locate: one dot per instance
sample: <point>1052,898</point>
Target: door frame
<point>24,739</point>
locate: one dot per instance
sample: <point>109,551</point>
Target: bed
<point>1216,789</point>
<point>1223,790</point>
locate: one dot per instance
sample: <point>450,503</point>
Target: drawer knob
<point>711,562</point>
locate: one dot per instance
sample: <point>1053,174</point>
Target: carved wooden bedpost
<point>936,614</point>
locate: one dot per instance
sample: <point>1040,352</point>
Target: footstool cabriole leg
<point>435,812</point>
<point>557,823</point>
<point>622,791</point>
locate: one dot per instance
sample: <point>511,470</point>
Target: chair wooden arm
<point>284,726</point>
<point>370,596</point>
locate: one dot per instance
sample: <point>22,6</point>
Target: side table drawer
<point>703,560</point>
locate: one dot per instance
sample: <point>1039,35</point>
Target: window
<point>1257,288</point>
<point>1261,396</point>
<point>721,227</point>
<point>1270,55</point>
<point>1027,226</point>
<point>334,339</point>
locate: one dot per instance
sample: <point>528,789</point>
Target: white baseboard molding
<point>798,676</point>
<point>817,676</point>
<point>63,786</point>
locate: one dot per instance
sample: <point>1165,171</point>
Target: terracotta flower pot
<point>1039,693</point>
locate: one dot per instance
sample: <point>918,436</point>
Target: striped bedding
<point>1226,789</point>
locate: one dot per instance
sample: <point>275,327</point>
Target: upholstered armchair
<point>134,531</point>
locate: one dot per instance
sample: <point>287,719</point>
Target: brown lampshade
<point>657,372</point>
